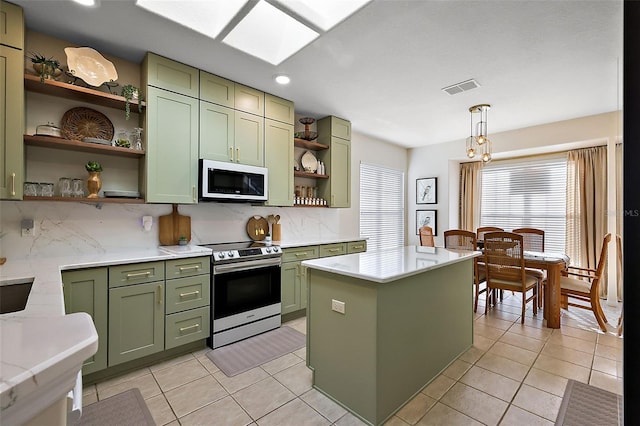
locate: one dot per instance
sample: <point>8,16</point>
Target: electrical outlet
<point>337,306</point>
<point>29,232</point>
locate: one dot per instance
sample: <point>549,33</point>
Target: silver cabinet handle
<point>159,294</point>
<point>230,154</point>
<point>237,154</point>
<point>334,250</point>
<point>191,293</point>
<point>182,329</point>
<point>357,247</point>
<point>301,254</point>
<point>13,184</point>
<point>138,274</point>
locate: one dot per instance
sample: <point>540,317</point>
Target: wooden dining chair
<point>583,285</point>
<point>484,229</point>
<point>533,240</point>
<point>504,262</point>
<point>460,239</point>
<point>426,236</point>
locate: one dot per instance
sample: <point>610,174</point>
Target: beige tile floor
<point>513,375</point>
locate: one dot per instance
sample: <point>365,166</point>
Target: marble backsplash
<point>63,228</point>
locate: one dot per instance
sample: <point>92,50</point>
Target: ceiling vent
<point>461,87</point>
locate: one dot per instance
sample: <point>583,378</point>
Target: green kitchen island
<point>382,324</point>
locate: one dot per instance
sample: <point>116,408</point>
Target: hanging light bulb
<point>479,138</point>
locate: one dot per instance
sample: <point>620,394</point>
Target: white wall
<point>443,160</point>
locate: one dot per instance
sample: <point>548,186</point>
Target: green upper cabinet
<point>336,133</point>
<point>248,99</point>
<point>170,75</point>
<point>278,109</point>
<point>171,171</point>
<point>217,130</point>
<point>136,321</point>
<point>278,158</point>
<point>11,25</point>
<point>86,290</point>
<point>11,122</point>
<point>216,89</point>
<point>249,139</point>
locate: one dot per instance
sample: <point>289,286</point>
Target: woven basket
<point>79,123</point>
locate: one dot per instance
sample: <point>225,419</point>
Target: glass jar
<point>122,139</point>
<point>136,138</point>
<point>64,187</point>
<point>30,189</point>
<point>77,186</point>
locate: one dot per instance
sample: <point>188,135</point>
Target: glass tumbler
<point>31,189</point>
<point>78,187</point>
<point>46,189</point>
<point>64,187</point>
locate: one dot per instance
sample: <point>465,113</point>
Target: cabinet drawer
<point>356,246</point>
<point>171,75</point>
<point>278,109</point>
<point>187,293</point>
<point>327,250</point>
<point>216,89</point>
<point>186,327</point>
<point>299,253</point>
<point>187,267</point>
<point>136,273</point>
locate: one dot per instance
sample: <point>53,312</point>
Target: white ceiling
<point>384,67</point>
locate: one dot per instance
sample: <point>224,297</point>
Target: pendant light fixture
<point>478,141</point>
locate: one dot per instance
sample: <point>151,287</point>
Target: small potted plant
<point>130,92</point>
<point>182,240</point>
<point>45,67</point>
<point>94,183</point>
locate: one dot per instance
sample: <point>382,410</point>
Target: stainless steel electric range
<point>245,290</point>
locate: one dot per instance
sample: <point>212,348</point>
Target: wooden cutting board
<point>173,226</point>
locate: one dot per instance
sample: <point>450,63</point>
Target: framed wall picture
<point>426,218</point>
<point>427,190</point>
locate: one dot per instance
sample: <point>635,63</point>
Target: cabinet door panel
<point>340,178</point>
<point>11,123</point>
<point>216,89</point>
<point>171,75</point>
<point>187,293</point>
<point>136,273</point>
<point>278,158</point>
<point>336,249</point>
<point>279,109</point>
<point>12,25</point>
<point>188,326</point>
<point>136,321</point>
<point>248,100</point>
<point>180,268</point>
<point>87,291</point>
<point>290,287</point>
<point>172,147</point>
<point>357,246</point>
<point>217,132</point>
<point>249,139</point>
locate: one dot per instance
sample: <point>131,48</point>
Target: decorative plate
<point>257,228</point>
<point>309,162</point>
<point>79,123</point>
<point>90,66</point>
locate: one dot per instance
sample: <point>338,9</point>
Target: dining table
<point>553,263</point>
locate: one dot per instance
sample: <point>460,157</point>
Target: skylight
<point>207,17</point>
<point>324,13</point>
<point>269,34</point>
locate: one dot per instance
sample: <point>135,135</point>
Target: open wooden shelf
<point>309,175</point>
<point>32,83</point>
<point>306,205</point>
<point>75,145</point>
<point>315,146</point>
<point>87,200</point>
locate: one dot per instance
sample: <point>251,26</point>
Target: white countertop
<point>288,243</point>
<point>392,264</point>
<point>41,344</point>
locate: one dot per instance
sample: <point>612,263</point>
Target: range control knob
<point>276,249</point>
<point>268,249</point>
<point>230,254</point>
<point>221,255</point>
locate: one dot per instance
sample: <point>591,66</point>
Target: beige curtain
<point>587,207</point>
<point>470,196</point>
<point>619,212</point>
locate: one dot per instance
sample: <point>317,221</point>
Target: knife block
<point>276,232</point>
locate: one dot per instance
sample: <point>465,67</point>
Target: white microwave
<point>221,181</point>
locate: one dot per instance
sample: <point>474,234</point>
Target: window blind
<point>381,206</point>
<point>527,193</point>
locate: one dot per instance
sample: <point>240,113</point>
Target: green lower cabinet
<point>136,321</point>
<point>290,287</point>
<point>86,290</point>
<point>357,246</point>
<point>187,326</point>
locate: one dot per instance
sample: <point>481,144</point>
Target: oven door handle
<point>245,266</point>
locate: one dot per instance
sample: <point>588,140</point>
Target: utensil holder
<point>276,231</point>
